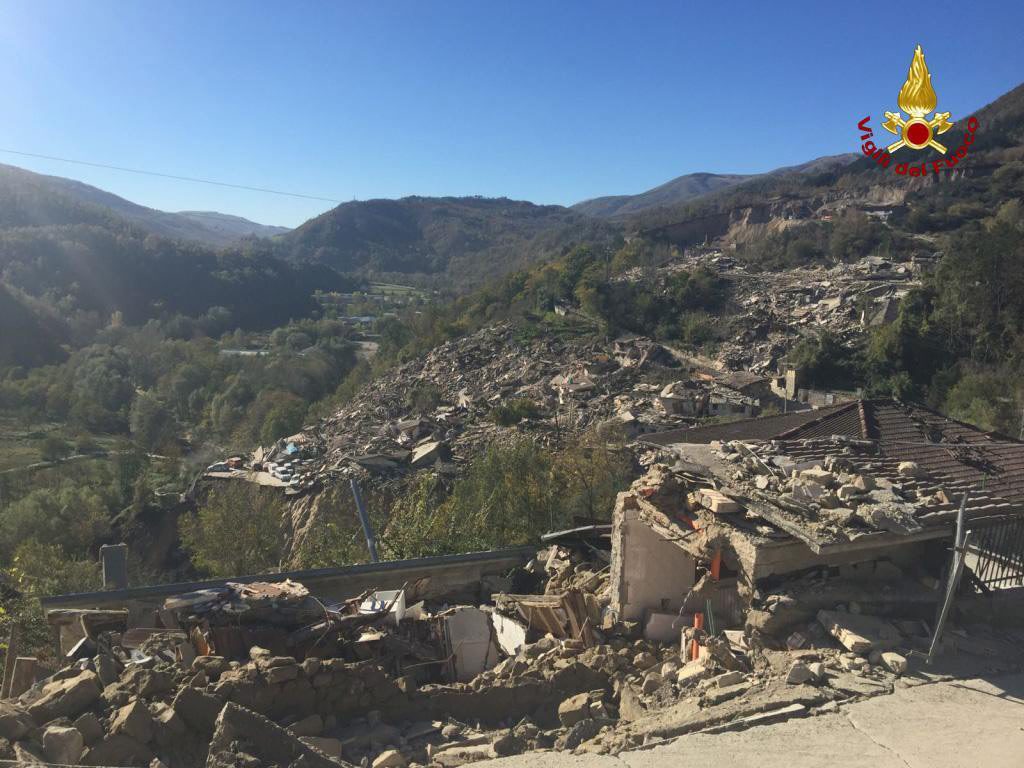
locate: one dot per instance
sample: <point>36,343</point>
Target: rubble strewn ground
<point>777,308</point>
<point>267,674</point>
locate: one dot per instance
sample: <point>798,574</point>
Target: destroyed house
<point>855,489</point>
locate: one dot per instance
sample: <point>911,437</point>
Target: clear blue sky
<point>548,101</point>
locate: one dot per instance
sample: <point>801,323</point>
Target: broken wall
<point>648,572</point>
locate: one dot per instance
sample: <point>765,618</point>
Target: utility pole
<point>364,519</point>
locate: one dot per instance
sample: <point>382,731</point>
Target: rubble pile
<point>267,674</point>
<point>775,309</point>
<point>833,490</point>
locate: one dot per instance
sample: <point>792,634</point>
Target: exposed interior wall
<point>648,572</point>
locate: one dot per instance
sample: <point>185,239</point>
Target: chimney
<point>115,565</point>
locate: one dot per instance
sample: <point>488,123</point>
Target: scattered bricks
<point>894,662</point>
<point>652,682</point>
<point>819,476</point>
<point>644,660</point>
<point>507,744</point>
<point>718,502</point>
<point>817,669</point>
<point>133,720</point>
<point>66,698</point>
<point>147,683</point>
<point>281,674</point>
<point>62,745</point>
<point>169,725</point>
<point>857,633</point>
<point>799,674</point>
<point>729,678</point>
<point>574,709</point>
<point>910,469</point>
<point>669,669</point>
<point>330,747</point>
<point>715,696</point>
<point>391,758</point>
<point>313,725</point>
<point>89,726</point>
<point>15,722</point>
<point>807,490</point>
<point>796,641</point>
<point>107,669</point>
<point>847,492</point>
<point>199,710</point>
<point>118,749</point>
<point>852,663</point>
<point>692,673</point>
<point>266,741</point>
<point>864,482</point>
<point>213,666</point>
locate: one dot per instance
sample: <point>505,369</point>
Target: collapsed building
<point>854,491</point>
<point>758,570</point>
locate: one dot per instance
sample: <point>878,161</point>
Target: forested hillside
<point>465,240</point>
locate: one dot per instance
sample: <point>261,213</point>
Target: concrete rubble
<point>436,412</point>
<point>264,674</point>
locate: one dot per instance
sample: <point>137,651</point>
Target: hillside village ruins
<point>781,551</point>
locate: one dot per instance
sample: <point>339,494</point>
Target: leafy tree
<point>237,531</point>
<point>509,496</point>
<point>283,418</point>
<point>152,423</point>
<point>54,448</point>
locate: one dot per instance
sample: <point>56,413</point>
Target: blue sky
<point>552,102</point>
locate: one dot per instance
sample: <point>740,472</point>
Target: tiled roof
<point>942,446</point>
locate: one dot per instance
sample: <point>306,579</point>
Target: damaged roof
<point>774,500</point>
<point>942,446</point>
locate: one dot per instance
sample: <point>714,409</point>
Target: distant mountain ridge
<point>461,241</point>
<point>39,200</point>
<point>691,186</point>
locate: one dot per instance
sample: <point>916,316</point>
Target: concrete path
<point>951,724</point>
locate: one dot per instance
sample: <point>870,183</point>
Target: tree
<point>283,418</point>
<point>509,496</point>
<point>54,448</point>
<point>237,531</point>
<point>152,423</point>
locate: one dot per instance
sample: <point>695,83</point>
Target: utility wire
<point>171,176</point>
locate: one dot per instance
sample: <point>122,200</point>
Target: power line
<point>172,176</point>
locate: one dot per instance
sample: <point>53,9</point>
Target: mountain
<point>458,240</point>
<point>692,186</point>
<point>232,227</point>
<point>678,190</point>
<point>34,199</point>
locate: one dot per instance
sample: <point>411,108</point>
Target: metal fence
<point>996,555</point>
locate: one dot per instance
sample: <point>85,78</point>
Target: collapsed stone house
<point>868,490</point>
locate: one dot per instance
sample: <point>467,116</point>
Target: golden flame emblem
<point>917,98</point>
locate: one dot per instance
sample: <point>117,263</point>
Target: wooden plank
<point>776,517</point>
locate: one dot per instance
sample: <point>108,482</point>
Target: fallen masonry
<point>740,582</point>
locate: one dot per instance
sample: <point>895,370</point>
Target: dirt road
<point>950,724</point>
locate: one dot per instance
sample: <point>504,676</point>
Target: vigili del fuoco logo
<point>917,132</point>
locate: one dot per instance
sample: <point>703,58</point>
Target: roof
<point>941,445</point>
<point>898,505</point>
<point>759,428</point>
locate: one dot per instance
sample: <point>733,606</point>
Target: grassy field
<point>21,443</point>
